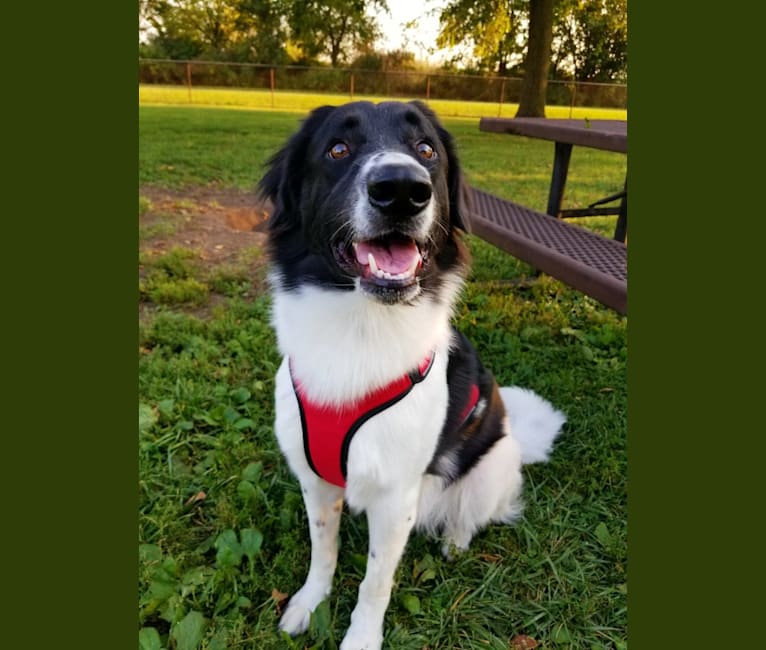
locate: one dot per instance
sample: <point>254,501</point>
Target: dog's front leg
<point>390,520</point>
<point>324,503</point>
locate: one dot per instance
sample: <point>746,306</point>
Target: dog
<point>379,400</point>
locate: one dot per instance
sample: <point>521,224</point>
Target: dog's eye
<point>338,150</point>
<point>425,150</point>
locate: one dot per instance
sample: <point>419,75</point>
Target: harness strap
<point>470,407</point>
<point>329,430</point>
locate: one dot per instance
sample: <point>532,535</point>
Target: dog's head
<point>367,197</point>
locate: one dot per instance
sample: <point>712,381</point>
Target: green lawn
<point>303,101</point>
<point>222,531</point>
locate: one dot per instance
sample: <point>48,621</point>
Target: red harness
<point>329,430</point>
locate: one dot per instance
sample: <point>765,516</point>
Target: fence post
<point>352,87</point>
<point>502,96</point>
<point>271,85</point>
<point>572,100</point>
<point>428,88</point>
<point>188,79</point>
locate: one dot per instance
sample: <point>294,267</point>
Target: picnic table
<point>581,258</point>
<point>609,135</point>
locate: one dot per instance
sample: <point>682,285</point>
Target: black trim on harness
<point>304,424</point>
<point>415,377</point>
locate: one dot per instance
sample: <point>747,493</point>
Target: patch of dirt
<point>219,225</point>
<point>215,221</point>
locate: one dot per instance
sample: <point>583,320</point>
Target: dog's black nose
<point>399,190</point>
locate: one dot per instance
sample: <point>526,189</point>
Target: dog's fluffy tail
<point>535,423</point>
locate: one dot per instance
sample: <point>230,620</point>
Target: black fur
<point>464,443</point>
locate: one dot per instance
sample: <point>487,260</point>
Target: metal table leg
<point>621,230</point>
<point>559,178</point>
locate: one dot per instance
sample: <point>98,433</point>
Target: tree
<point>262,21</point>
<point>335,28</point>
<point>382,61</point>
<point>169,30</point>
<point>493,26</point>
<point>538,59</point>
<point>242,30</point>
<point>591,39</point>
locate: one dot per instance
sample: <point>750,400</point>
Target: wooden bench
<point>584,260</point>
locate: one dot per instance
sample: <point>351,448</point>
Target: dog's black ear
<point>458,190</point>
<point>282,182</point>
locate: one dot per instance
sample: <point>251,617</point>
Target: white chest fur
<point>343,345</point>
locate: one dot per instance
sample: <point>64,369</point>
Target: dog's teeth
<point>385,275</point>
<point>414,266</point>
<point>373,264</point>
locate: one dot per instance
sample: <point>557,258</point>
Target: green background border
<point>69,311</point>
<point>694,283</point>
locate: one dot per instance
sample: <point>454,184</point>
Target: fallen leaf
<point>279,598</point>
<point>523,642</point>
<point>200,496</point>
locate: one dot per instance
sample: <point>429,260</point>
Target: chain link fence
<point>351,82</point>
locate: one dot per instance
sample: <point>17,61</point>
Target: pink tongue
<point>393,257</point>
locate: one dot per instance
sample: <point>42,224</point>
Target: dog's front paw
<point>361,638</point>
<point>297,616</point>
<point>451,551</point>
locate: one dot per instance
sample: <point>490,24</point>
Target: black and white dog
<point>379,400</point>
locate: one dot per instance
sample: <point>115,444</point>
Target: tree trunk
<point>336,43</point>
<point>535,85</point>
<point>334,52</point>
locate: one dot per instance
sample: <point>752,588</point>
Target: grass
<point>222,531</point>
<point>175,277</point>
<point>187,146</point>
<point>301,102</point>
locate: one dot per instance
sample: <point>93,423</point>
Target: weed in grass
<point>231,280</point>
<point>184,205</point>
<point>238,277</point>
<point>250,255</point>
<point>169,278</point>
<point>144,205</point>
<point>174,291</point>
<point>164,225</point>
<point>178,262</point>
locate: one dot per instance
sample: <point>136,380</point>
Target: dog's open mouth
<point>387,260</point>
<point>387,266</point>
